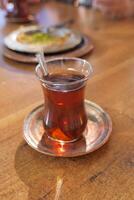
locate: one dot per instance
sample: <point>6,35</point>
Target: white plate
<point>70,42</point>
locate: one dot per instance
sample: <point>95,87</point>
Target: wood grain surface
<point>108,173</point>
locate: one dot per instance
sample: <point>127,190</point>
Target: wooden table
<point>107,173</point>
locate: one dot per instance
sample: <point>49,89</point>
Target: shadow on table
<point>49,176</point>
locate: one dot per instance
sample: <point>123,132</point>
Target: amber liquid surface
<point>64,115</point>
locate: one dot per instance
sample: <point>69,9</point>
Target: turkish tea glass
<point>64,117</point>
<point>16,8</point>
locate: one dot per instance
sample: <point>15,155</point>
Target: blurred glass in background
<point>17,8</point>
<point>110,8</point>
<point>115,8</point>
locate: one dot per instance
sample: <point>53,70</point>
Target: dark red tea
<point>17,8</point>
<point>64,115</point>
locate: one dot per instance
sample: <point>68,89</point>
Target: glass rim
<point>85,78</point>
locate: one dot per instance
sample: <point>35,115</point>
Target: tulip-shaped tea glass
<point>64,117</point>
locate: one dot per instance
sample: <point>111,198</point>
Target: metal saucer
<point>97,133</point>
